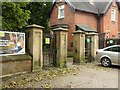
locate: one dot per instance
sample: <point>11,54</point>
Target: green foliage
<point>14,15</point>
<point>40,13</point>
<point>0,15</point>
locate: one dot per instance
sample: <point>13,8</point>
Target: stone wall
<point>13,64</point>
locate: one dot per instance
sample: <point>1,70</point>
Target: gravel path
<point>88,75</point>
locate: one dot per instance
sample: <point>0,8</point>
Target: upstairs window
<point>113,15</point>
<point>61,12</point>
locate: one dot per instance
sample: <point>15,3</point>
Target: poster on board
<point>12,43</point>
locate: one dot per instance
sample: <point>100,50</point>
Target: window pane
<point>113,49</point>
<point>113,15</point>
<point>61,12</point>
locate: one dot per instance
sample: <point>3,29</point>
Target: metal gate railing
<point>49,50</point>
<point>49,57</point>
<point>88,54</point>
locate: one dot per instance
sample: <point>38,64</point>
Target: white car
<point>109,55</point>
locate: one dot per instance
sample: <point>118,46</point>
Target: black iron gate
<point>49,50</point>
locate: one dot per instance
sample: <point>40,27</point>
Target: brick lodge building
<point>88,16</point>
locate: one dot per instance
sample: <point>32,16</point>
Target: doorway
<point>88,48</point>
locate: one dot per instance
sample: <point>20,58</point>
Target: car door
<point>112,52</point>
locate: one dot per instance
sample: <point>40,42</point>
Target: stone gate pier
<point>61,32</point>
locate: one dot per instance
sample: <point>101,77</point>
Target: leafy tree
<point>14,15</point>
<point>0,15</point>
<point>40,14</point>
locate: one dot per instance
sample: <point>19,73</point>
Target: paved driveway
<point>88,75</point>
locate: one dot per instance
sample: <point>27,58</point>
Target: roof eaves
<point>118,4</point>
<point>80,9</point>
<point>85,28</point>
<point>106,9</point>
<point>51,9</point>
<point>68,2</point>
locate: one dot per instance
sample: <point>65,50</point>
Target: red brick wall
<point>101,24</point>
<point>119,22</point>
<point>72,18</point>
<point>13,64</point>
<point>86,18</point>
<point>12,67</point>
<point>68,19</point>
<point>108,25</point>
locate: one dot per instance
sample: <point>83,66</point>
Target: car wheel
<point>106,62</point>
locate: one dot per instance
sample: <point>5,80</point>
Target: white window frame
<point>59,11</point>
<point>113,15</point>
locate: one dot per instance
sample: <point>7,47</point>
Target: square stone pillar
<point>94,45</point>
<point>34,44</point>
<point>61,46</point>
<point>78,47</point>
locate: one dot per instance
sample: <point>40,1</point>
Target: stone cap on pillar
<point>34,26</point>
<point>78,32</point>
<point>60,27</point>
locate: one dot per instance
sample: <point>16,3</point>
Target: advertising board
<point>12,43</point>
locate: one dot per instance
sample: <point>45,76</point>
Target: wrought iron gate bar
<point>49,51</point>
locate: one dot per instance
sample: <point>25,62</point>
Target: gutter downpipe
<point>98,27</point>
<point>98,21</point>
<point>101,35</point>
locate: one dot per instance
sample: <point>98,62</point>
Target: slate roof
<point>96,8</point>
<point>99,6</point>
<point>118,3</point>
<point>85,28</point>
